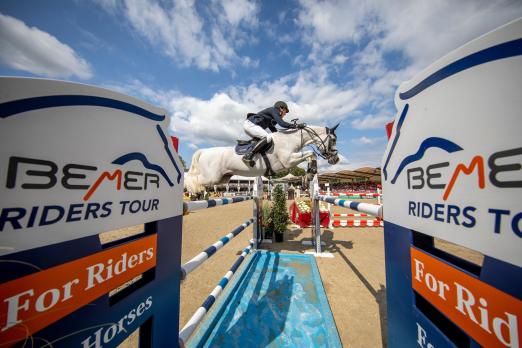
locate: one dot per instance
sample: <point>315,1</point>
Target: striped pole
<point>316,220</point>
<point>349,215</point>
<point>257,230</point>
<point>200,313</point>
<point>358,223</point>
<point>372,209</point>
<point>199,259</point>
<point>192,206</point>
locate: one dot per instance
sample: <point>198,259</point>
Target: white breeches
<point>255,131</point>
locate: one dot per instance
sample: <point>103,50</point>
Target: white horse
<point>216,165</point>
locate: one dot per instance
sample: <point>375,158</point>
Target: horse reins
<point>322,143</point>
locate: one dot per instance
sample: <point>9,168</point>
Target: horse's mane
<point>293,130</point>
<point>287,130</point>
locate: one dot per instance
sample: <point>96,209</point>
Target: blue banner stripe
<point>225,240</point>
<point>504,50</point>
<point>166,146</point>
<point>395,140</point>
<point>23,105</point>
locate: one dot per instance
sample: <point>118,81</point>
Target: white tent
<point>236,178</point>
<point>290,178</point>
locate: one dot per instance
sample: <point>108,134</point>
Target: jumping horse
<point>217,165</point>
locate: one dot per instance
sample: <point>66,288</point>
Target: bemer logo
<point>43,174</point>
<point>500,165</point>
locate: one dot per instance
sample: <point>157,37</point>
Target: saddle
<point>243,146</point>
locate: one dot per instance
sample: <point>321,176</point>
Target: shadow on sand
<point>268,303</point>
<point>333,246</point>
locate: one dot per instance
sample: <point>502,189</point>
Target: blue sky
<point>208,63</point>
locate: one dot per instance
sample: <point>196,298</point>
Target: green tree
<point>297,171</point>
<point>281,174</point>
<point>183,162</point>
<point>279,213</point>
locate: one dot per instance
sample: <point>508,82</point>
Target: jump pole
<point>316,222</point>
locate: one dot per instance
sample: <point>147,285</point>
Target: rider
<point>255,126</point>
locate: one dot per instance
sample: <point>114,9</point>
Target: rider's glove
<point>301,125</point>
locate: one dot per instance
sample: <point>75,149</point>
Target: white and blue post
<point>257,228</point>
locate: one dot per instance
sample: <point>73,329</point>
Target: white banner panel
<point>453,165</point>
<point>78,160</point>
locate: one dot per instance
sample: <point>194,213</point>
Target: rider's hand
<point>301,125</point>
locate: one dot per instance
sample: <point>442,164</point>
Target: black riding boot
<point>248,157</point>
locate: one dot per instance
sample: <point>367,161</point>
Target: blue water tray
<point>278,300</point>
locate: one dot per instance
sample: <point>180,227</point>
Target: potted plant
<point>268,228</point>
<point>279,213</point>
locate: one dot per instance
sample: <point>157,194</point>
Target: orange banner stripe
<point>488,315</point>
<point>31,303</point>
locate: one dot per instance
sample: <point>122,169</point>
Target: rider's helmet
<point>281,104</point>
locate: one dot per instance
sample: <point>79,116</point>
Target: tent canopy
<point>357,175</point>
<point>236,178</point>
<point>290,178</point>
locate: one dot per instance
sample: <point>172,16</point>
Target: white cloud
<point>218,120</point>
<point>422,30</point>
<point>182,33</point>
<point>364,141</point>
<point>340,59</point>
<point>372,122</point>
<point>239,10</point>
<point>426,31</point>
<point>108,5</point>
<point>333,21</point>
<point>414,33</point>
<point>33,50</point>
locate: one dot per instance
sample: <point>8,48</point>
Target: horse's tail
<point>191,177</point>
<point>194,165</point>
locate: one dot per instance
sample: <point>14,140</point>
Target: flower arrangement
<point>305,206</point>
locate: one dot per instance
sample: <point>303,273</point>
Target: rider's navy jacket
<point>268,118</point>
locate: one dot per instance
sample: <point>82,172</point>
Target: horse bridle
<point>324,148</point>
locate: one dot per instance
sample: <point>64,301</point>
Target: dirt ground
<point>354,279</point>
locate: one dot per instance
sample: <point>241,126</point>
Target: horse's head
<point>331,153</point>
<point>325,140</point>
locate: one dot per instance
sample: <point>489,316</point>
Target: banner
<point>79,160</point>
<point>453,165</point>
